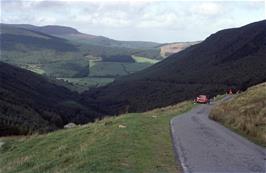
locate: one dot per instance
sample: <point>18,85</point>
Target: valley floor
<point>131,143</point>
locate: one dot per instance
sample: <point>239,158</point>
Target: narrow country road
<point>202,145</point>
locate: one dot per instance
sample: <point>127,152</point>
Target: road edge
<point>179,158</point>
<point>179,154</point>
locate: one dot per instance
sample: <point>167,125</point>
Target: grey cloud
<point>46,4</point>
<point>155,21</point>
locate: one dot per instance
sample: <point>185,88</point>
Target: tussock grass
<point>143,145</point>
<point>246,114</point>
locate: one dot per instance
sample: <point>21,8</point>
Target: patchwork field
<point>89,71</point>
<point>90,60</point>
<point>141,59</point>
<point>116,68</point>
<point>101,73</point>
<point>82,84</point>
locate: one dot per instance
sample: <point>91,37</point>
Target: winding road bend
<point>202,145</point>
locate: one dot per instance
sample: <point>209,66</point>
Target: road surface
<point>202,145</point>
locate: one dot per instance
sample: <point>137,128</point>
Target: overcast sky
<point>148,20</point>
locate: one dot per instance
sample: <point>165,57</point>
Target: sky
<point>143,20</point>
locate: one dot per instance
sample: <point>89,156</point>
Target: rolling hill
<point>81,59</point>
<point>42,53</point>
<point>29,103</point>
<point>43,50</point>
<point>73,34</point>
<point>140,48</point>
<point>232,58</point>
<point>95,45</point>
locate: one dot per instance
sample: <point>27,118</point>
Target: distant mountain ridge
<point>229,58</point>
<point>48,29</point>
<point>74,34</point>
<point>47,54</point>
<point>11,36</point>
<point>64,52</point>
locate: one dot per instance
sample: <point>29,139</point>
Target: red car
<point>202,99</point>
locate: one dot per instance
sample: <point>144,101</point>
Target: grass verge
<point>245,114</point>
<point>131,143</point>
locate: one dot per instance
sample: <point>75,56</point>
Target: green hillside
<point>52,51</point>
<point>96,45</point>
<point>98,147</point>
<point>63,52</point>
<point>30,103</point>
<point>73,34</point>
<point>107,42</point>
<point>245,113</point>
<point>41,53</point>
<point>231,58</point>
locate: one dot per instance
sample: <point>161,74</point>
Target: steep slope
<point>245,113</point>
<point>98,147</point>
<point>228,58</point>
<point>30,103</point>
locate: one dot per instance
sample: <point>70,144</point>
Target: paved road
<point>202,145</point>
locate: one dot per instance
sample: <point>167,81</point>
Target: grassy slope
<point>32,103</point>
<point>143,146</point>
<point>209,68</point>
<point>141,59</point>
<point>245,114</point>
